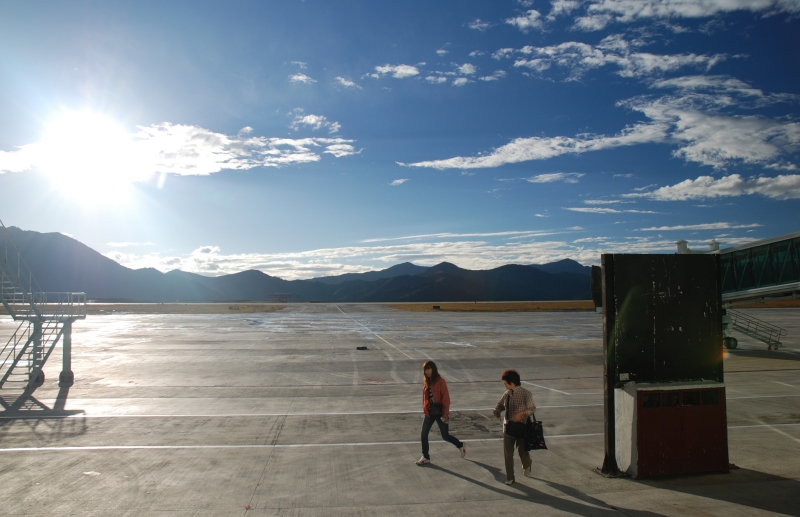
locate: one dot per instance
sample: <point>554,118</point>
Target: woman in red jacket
<point>436,406</point>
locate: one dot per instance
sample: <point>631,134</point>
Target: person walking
<point>436,406</point>
<point>518,404</point>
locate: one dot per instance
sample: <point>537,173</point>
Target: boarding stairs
<point>753,327</point>
<point>45,319</point>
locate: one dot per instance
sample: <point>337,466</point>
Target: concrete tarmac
<point>280,414</point>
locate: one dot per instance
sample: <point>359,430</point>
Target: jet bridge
<point>755,272</point>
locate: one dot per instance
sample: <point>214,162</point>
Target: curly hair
<point>511,377</point>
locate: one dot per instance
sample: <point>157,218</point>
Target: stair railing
<point>14,349</point>
<point>756,328</point>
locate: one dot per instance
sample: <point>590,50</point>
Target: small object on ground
<point>437,307</point>
<point>361,348</point>
<point>732,466</point>
<point>423,461</point>
<point>510,482</point>
<point>463,451</point>
<point>527,472</point>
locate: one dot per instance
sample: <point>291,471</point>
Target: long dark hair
<point>434,373</point>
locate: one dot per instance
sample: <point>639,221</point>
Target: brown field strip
<point>557,306</point>
<point>180,308</point>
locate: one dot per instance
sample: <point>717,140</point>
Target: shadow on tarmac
<point>766,354</point>
<point>27,409</point>
<point>593,507</point>
<point>744,487</point>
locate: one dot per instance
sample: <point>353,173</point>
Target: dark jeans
<point>509,442</point>
<point>427,423</point>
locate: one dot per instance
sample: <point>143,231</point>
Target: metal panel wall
<point>667,318</point>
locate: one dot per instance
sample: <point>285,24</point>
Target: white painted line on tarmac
<point>373,333</point>
<point>546,388</point>
<point>784,384</point>
<point>761,425</point>
<point>764,396</point>
<point>33,416</point>
<point>257,446</point>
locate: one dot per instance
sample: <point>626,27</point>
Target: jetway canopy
<point>769,268</point>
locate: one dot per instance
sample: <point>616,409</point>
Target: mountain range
<point>60,264</point>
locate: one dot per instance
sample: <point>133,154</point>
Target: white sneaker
<point>423,461</point>
<point>527,472</point>
<point>463,451</point>
<point>510,482</point>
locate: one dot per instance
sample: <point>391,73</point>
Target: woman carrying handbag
<point>518,404</point>
<point>436,406</point>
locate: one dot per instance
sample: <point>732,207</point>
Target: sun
<point>91,157</point>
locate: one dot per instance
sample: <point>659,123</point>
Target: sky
<point>313,138</point>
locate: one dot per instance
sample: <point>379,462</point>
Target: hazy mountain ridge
<point>61,263</point>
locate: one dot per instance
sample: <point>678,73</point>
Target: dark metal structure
<point>662,336</point>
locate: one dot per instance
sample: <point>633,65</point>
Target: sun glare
<point>90,157</point>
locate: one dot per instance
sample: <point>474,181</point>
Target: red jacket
<point>440,395</point>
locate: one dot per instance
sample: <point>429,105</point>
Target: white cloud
<point>396,71</point>
<point>503,53</point>
<point>301,64</point>
<point>301,78</point>
<point>509,234</point>
<point>478,25</point>
<point>706,226</point>
<point>339,150</point>
<point>496,75</point>
<point>467,69</point>
<point>614,50</point>
<point>779,187</point>
<point>566,177</point>
<point>347,83</point>
<point>603,201</point>
<point>170,148</point>
<point>461,81</point>
<point>542,148</point>
<point>531,20</point>
<point>471,251</point>
<point>442,52</point>
<point>476,53</point>
<point>436,80</point>
<point>698,123</point>
<point>315,122</point>
<point>707,135</point>
<point>624,175</point>
<point>246,130</point>
<point>599,13</point>
<point>398,182</point>
<point>563,7</point>
<point>595,210</point>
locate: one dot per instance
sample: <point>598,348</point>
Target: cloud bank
<point>177,149</point>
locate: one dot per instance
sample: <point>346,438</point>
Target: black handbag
<point>534,435</point>
<point>435,409</point>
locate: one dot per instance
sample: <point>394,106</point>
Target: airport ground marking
<point>546,388</point>
<point>33,416</point>
<point>784,384</point>
<point>258,446</point>
<point>374,334</point>
<point>304,445</point>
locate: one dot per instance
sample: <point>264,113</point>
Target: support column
<point>36,377</point>
<point>609,467</point>
<point>66,378</point>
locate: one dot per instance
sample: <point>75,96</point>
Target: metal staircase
<point>45,319</point>
<point>753,327</point>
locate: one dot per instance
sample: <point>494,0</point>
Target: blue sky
<point>324,137</point>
